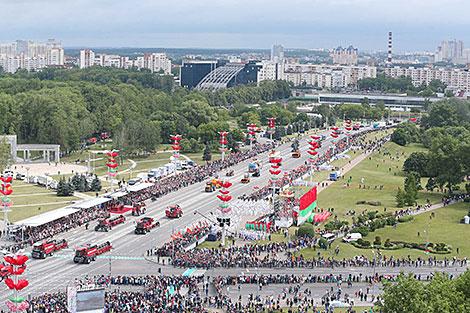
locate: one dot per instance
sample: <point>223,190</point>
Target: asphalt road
<point>127,255</point>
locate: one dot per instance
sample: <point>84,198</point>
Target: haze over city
<point>237,24</point>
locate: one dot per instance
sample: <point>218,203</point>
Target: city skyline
<point>239,24</point>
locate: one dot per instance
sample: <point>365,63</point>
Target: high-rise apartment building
<point>87,58</point>
<point>450,51</point>
<point>344,56</point>
<point>277,53</point>
<point>30,55</point>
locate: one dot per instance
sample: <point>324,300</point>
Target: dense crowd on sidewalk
<point>161,294</point>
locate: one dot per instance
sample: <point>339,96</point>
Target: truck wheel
<point>87,261</point>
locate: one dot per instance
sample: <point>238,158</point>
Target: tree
<point>207,155</point>
<point>411,189</point>
<point>5,155</point>
<point>431,184</point>
<point>64,189</point>
<point>400,198</point>
<point>417,162</point>
<point>400,137</point>
<point>95,184</point>
<point>441,295</point>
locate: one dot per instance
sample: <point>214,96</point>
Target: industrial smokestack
<point>389,57</point>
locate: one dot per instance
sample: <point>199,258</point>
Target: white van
<point>352,237</point>
<point>329,237</point>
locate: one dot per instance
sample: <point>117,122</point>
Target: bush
<point>335,225</point>
<point>391,221</point>
<point>323,243</point>
<point>405,219</point>
<point>363,230</point>
<point>372,215</point>
<point>306,230</point>
<point>363,243</point>
<point>388,244</point>
<point>377,241</point>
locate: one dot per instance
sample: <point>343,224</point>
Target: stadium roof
<point>220,77</point>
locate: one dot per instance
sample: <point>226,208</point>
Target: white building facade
<point>30,55</point>
<point>155,62</point>
<point>454,78</point>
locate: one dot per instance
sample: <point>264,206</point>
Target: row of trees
<point>67,107</point>
<point>403,84</point>
<point>78,183</point>
<point>441,295</point>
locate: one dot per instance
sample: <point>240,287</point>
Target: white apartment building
<point>454,78</point>
<point>155,62</point>
<point>87,58</point>
<point>326,76</point>
<point>270,70</point>
<point>30,55</point>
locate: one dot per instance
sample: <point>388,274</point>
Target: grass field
<point>378,170</point>
<point>29,200</point>
<point>444,227</point>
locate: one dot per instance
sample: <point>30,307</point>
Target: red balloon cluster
<point>176,145</point>
<point>252,131</point>
<point>7,189</point>
<point>112,163</point>
<point>275,170</point>
<point>22,283</point>
<point>225,197</point>
<point>16,267</point>
<point>335,133</point>
<point>271,122</point>
<point>223,141</point>
<point>314,145</point>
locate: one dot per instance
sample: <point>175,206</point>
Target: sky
<point>416,24</point>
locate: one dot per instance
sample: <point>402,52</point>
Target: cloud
<point>112,21</point>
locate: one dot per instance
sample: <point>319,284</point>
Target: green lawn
<point>445,227</point>
<point>29,200</point>
<point>377,170</point>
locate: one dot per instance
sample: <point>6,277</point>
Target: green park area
<point>29,200</point>
<point>382,175</point>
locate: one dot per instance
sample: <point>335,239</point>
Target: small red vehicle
<point>145,224</point>
<point>86,254</point>
<point>174,211</point>
<point>47,248</point>
<point>106,224</point>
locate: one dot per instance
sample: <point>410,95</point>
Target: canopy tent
<point>47,217</point>
<point>115,195</point>
<point>91,203</point>
<point>139,187</point>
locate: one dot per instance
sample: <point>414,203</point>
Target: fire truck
<point>174,211</point>
<point>106,224</point>
<point>47,248</point>
<point>88,253</point>
<point>145,224</point>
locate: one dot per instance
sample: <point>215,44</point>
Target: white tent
<point>139,187</point>
<point>47,217</point>
<point>91,203</point>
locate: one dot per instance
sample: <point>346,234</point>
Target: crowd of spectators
<point>161,294</point>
